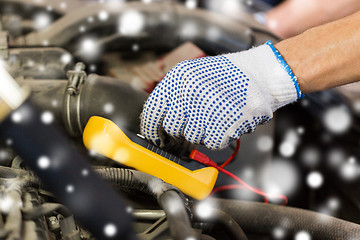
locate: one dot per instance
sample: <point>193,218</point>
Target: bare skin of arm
<point>326,56</point>
<point>293,17</point>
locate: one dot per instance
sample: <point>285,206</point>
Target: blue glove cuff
<point>287,68</point>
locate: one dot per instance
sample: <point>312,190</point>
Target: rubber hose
<point>133,179</point>
<point>179,222</point>
<point>264,218</point>
<point>219,217</point>
<point>125,178</point>
<point>169,197</point>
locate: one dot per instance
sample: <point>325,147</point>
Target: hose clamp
<point>77,78</point>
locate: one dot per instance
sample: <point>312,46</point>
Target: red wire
<point>200,157</point>
<point>227,187</point>
<point>233,155</point>
<point>255,190</point>
<point>247,186</point>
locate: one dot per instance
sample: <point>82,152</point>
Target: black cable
<point>133,179</point>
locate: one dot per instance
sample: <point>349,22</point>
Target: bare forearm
<point>295,16</point>
<point>326,56</point>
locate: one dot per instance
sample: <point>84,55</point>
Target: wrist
<point>273,78</point>
<point>326,56</point>
<point>286,68</point>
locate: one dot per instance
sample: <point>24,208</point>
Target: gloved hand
<point>214,100</point>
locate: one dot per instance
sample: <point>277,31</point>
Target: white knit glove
<point>214,100</point>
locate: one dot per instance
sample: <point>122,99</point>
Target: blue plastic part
<point>287,68</point>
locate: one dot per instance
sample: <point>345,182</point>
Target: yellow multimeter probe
<point>106,138</point>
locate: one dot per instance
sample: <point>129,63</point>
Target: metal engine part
<point>73,104</point>
<point>72,85</point>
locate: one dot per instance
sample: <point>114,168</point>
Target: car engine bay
<point>78,59</point>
